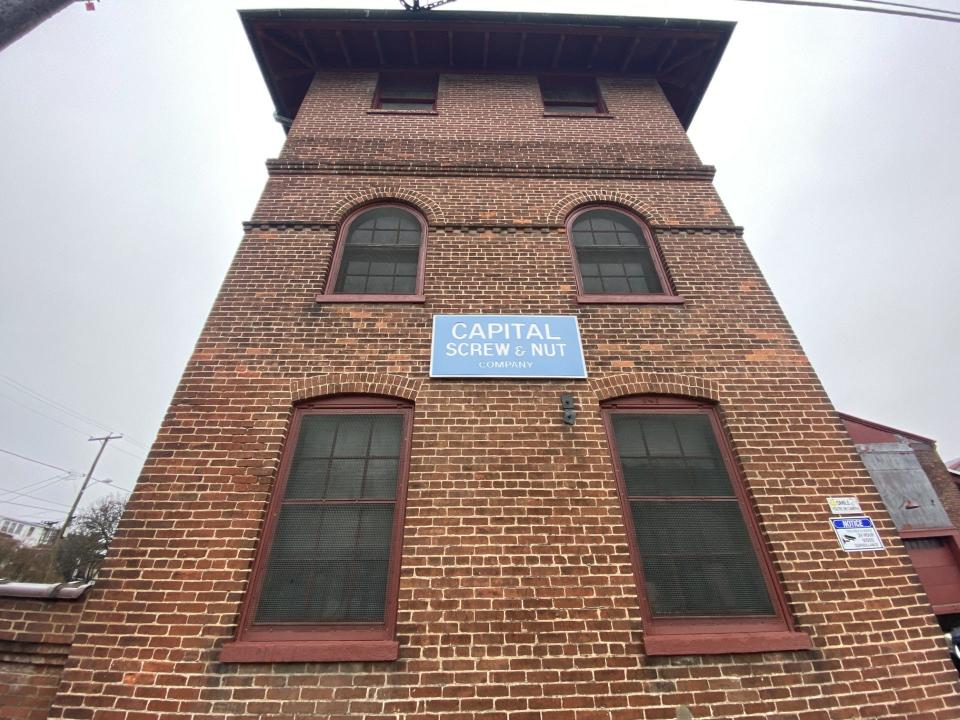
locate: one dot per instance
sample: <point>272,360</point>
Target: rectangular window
<point>705,582</point>
<point>325,581</point>
<point>406,91</point>
<point>571,96</point>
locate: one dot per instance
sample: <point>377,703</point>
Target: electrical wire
<point>35,507</point>
<point>34,486</point>
<point>34,460</point>
<point>860,8</point>
<point>57,467</point>
<point>912,7</point>
<point>38,499</point>
<point>48,417</point>
<point>76,414</point>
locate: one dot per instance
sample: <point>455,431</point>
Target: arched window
<point>616,258</point>
<point>379,256</point>
<point>325,581</point>
<point>706,583</point>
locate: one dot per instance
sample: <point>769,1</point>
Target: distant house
<point>25,531</point>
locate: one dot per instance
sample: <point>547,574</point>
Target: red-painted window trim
<point>667,297</point>
<point>703,635</point>
<point>327,642</point>
<point>427,100</point>
<point>329,294</point>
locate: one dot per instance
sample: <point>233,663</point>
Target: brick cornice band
<point>623,172</point>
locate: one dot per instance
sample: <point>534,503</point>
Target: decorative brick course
<point>35,637</point>
<point>517,597</point>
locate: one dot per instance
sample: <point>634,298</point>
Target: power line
<point>34,460</point>
<point>859,8</point>
<point>66,425</point>
<point>913,7</point>
<point>59,513</point>
<point>50,401</point>
<point>33,497</point>
<point>35,485</point>
<point>48,417</point>
<point>76,414</point>
<point>57,467</point>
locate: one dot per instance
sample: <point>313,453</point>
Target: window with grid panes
<point>406,91</point>
<point>615,255</point>
<point>571,95</point>
<point>328,565</point>
<point>380,253</point>
<point>696,548</point>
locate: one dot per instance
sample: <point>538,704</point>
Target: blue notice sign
<point>517,346</point>
<point>856,533</point>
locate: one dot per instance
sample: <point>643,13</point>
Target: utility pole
<point>103,444</point>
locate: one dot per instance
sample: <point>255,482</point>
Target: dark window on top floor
<point>406,91</point>
<point>571,95</point>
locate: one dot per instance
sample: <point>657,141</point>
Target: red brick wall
<point>35,637</point>
<point>940,478</point>
<point>517,599</point>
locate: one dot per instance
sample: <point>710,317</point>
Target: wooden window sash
<point>330,293</point>
<point>667,293</point>
<point>702,634</point>
<point>339,638</point>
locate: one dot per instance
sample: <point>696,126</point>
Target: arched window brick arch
<point>649,383</point>
<point>383,384</point>
<point>631,203</point>
<point>425,205</point>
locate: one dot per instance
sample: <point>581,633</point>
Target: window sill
<point>379,111</point>
<point>589,298</point>
<point>725,644</point>
<point>331,651</point>
<point>344,298</point>
<point>599,116</point>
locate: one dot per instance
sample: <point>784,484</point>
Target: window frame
<point>330,295</point>
<point>703,635</point>
<point>599,105</point>
<point>379,97</point>
<point>667,296</point>
<point>325,642</point>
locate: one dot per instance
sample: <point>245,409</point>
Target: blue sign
<point>518,346</point>
<point>856,533</point>
<point>847,523</point>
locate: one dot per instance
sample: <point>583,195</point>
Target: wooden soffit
<point>291,45</point>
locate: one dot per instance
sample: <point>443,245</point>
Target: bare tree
<point>80,553</point>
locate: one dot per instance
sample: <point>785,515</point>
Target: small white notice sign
<point>844,505</point>
<point>856,533</point>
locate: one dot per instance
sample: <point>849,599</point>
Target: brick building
<point>340,520</point>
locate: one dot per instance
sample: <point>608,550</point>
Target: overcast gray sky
<point>132,146</point>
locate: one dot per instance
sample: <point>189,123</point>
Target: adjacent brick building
<point>455,548</point>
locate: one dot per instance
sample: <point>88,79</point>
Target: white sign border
<point>576,325</point>
<point>872,527</point>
